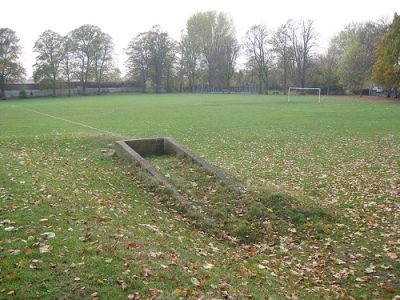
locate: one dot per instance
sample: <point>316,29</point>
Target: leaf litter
<point>119,227</point>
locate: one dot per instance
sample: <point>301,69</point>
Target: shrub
<point>22,93</point>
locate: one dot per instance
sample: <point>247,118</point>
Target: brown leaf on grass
<point>152,229</point>
<point>27,286</point>
<point>146,272</point>
<point>30,231</point>
<point>13,251</point>
<point>34,262</point>
<point>388,288</point>
<point>28,251</point>
<point>154,293</point>
<point>133,296</point>
<point>126,272</point>
<point>362,279</point>
<point>122,283</point>
<point>46,248</point>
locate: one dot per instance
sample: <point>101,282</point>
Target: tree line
<point>209,54</point>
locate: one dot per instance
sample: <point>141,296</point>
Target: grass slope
<point>76,223</point>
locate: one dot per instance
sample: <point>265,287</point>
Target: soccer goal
<point>318,90</point>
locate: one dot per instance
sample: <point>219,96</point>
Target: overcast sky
<point>124,19</point>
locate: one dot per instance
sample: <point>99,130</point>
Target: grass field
<point>324,180</point>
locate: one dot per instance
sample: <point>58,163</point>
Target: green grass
<point>323,178</point>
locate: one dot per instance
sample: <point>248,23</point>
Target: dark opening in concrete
<point>136,150</point>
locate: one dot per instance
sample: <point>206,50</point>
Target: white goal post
<point>314,89</point>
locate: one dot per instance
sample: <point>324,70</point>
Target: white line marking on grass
<point>69,121</point>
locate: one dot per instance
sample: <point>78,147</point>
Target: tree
<point>283,54</point>
<point>302,36</point>
<point>230,55</point>
<point>84,48</point>
<point>11,69</point>
<point>364,33</point>
<point>189,59</point>
<point>329,63</point>
<point>68,61</point>
<point>150,57</point>
<point>162,50</point>
<point>211,30</point>
<point>259,54</point>
<point>103,59</point>
<point>355,67</point>
<point>48,66</point>
<point>386,70</point>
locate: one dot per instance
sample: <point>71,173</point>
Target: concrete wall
<point>147,147</point>
<point>135,150</point>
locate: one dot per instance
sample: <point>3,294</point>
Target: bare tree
<point>189,59</point>
<point>231,53</point>
<point>302,36</point>
<point>283,55</point>
<point>259,54</point>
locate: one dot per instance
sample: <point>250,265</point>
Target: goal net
<point>296,90</point>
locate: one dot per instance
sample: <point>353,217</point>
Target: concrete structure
<point>135,150</point>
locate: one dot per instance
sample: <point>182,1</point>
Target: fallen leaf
<point>49,235</point>
<point>195,281</point>
<point>122,283</point>
<point>369,270</point>
<point>362,279</point>
<point>177,292</point>
<point>388,288</point>
<point>14,251</point>
<point>45,248</point>
<point>27,286</point>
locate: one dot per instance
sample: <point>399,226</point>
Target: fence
<point>30,93</point>
<point>210,88</point>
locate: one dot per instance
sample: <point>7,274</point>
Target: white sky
<point>124,19</point>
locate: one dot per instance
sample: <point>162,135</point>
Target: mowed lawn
<point>76,223</point>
